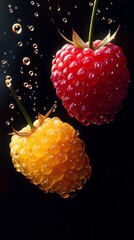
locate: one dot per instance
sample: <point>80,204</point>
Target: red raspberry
<point>91,83</point>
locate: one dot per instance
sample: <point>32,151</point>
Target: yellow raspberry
<point>52,157</point>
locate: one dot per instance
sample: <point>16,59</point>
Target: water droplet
<point>17,28</point>
<point>20,44</point>
<point>11,105</point>
<point>58,9</point>
<point>31,28</point>
<point>19,97</point>
<point>35,45</point>
<point>11,10</point>
<point>26,61</point>
<point>21,71</point>
<point>8,80</point>
<point>31,73</point>
<point>36,51</point>
<point>36,14</point>
<point>25,84</point>
<point>38,4</point>
<point>7,123</point>
<point>64,20</point>
<point>90,4</point>
<point>110,20</point>
<point>77,132</point>
<point>18,20</point>
<point>30,86</point>
<point>32,3</point>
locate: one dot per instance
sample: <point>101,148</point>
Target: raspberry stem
<point>19,103</point>
<point>92,24</point>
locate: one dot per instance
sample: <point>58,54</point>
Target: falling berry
<point>91,78</point>
<point>49,153</point>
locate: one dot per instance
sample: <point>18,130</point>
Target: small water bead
<point>20,44</point>
<point>36,51</point>
<point>11,105</point>
<point>19,97</point>
<point>11,10</point>
<point>98,11</point>
<point>8,123</point>
<point>36,14</point>
<point>31,73</point>
<point>17,28</point>
<point>110,20</point>
<point>30,86</point>
<point>58,9</point>
<point>9,78</point>
<point>32,3</point>
<point>90,4</point>
<point>25,84</point>
<point>4,62</point>
<point>21,71</point>
<point>31,28</point>
<point>38,4</point>
<point>64,20</point>
<point>35,45</point>
<point>18,20</point>
<point>50,8</point>
<point>26,61</point>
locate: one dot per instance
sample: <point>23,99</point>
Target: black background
<point>103,209</point>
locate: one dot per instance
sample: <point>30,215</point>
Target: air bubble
<point>26,61</point>
<point>17,28</point>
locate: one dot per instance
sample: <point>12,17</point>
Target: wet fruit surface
<point>91,83</point>
<point>53,157</point>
